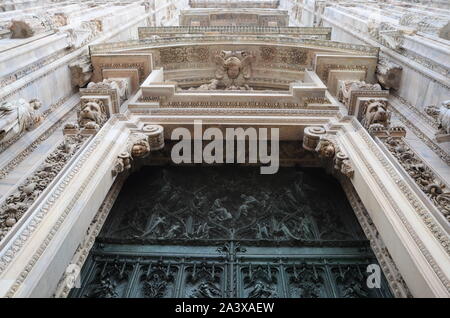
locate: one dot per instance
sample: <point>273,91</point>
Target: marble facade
<point>347,87</point>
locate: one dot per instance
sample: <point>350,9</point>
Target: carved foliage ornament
<point>18,202</point>
<point>424,177</point>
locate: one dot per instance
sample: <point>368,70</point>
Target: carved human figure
<point>218,211</point>
<point>206,290</point>
<point>260,290</point>
<point>91,112</point>
<point>18,116</point>
<point>106,288</point>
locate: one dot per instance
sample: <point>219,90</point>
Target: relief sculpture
<point>224,206</point>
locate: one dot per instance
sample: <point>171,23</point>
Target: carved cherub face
<point>233,67</point>
<point>91,112</point>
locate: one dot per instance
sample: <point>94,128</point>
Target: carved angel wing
<point>246,64</point>
<point>220,65</point>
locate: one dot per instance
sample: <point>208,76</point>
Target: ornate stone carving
<point>442,116</point>
<point>387,34</point>
<point>92,114</point>
<point>311,137</point>
<point>118,84</point>
<point>424,177</point>
<point>316,139</point>
<point>123,162</point>
<point>326,148</point>
<point>137,147</point>
<point>234,68</point>
<point>343,165</point>
<point>18,202</point>
<point>427,23</point>
<point>213,85</point>
<point>375,112</point>
<point>17,117</point>
<point>28,26</point>
<point>155,135</point>
<point>388,74</point>
<point>346,88</point>
<point>81,71</point>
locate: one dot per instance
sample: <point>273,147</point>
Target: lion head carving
<point>91,112</point>
<point>376,113</point>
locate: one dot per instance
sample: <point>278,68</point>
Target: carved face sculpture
<point>233,64</point>
<point>91,112</point>
<point>233,67</point>
<point>140,149</point>
<point>376,113</point>
<point>326,149</point>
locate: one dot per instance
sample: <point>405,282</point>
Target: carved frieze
<point>16,204</point>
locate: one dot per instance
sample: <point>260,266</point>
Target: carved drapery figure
<point>375,112</point>
<point>441,114</point>
<point>18,116</point>
<point>213,85</point>
<point>92,114</point>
